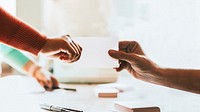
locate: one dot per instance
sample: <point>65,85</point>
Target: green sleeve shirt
<point>13,57</point>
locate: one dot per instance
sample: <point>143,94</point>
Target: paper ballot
<point>95,52</point>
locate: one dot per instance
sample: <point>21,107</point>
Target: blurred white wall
<point>168,30</point>
<point>76,17</point>
<point>9,5</point>
<point>30,11</point>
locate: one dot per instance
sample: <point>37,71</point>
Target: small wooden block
<point>135,107</point>
<point>106,92</point>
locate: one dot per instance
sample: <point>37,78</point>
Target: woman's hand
<point>45,78</point>
<point>63,48</point>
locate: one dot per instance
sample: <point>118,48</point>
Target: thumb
<point>121,55</point>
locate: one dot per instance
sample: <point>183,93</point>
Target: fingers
<point>79,50</point>
<point>46,85</point>
<point>46,79</point>
<point>65,57</point>
<point>124,62</point>
<point>127,55</point>
<point>121,55</point>
<point>129,58</point>
<point>122,65</point>
<point>130,47</point>
<point>74,50</point>
<point>58,55</point>
<point>63,48</point>
<point>123,45</point>
<point>125,59</point>
<point>45,82</point>
<point>54,81</point>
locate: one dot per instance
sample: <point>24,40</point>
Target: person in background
<point>133,59</point>
<point>24,64</point>
<point>15,33</point>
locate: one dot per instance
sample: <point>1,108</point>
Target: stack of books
<point>135,107</point>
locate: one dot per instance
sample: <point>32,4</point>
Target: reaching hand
<point>45,78</point>
<point>63,48</point>
<point>132,58</point>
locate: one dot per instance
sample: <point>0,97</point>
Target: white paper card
<point>95,52</point>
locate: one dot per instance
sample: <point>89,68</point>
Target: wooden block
<point>135,107</point>
<point>106,92</point>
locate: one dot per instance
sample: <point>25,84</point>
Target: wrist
<point>160,71</point>
<point>43,47</point>
<point>164,77</point>
<point>30,68</point>
<point>35,70</point>
<point>158,75</point>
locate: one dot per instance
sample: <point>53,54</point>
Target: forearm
<point>16,33</point>
<point>13,57</point>
<point>18,60</point>
<point>183,79</point>
<point>31,68</point>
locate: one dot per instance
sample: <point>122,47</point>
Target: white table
<point>169,100</point>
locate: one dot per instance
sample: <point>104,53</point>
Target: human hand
<point>63,48</point>
<point>45,78</point>
<point>132,58</point>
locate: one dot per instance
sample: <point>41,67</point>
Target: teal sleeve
<point>13,57</point>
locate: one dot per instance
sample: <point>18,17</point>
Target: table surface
<point>169,100</point>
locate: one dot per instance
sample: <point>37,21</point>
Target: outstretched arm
<point>23,64</point>
<point>133,59</point>
<point>183,79</point>
<point>20,35</point>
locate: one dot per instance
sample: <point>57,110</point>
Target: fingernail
<point>111,51</point>
<point>61,58</point>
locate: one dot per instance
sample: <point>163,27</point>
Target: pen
<point>57,109</point>
<point>69,89</point>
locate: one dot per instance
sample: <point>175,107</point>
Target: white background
<point>168,30</point>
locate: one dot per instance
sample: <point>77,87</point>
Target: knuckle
<point>78,57</point>
<point>81,48</point>
<point>121,43</point>
<point>73,53</point>
<point>134,42</point>
<point>76,54</point>
<point>68,35</point>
